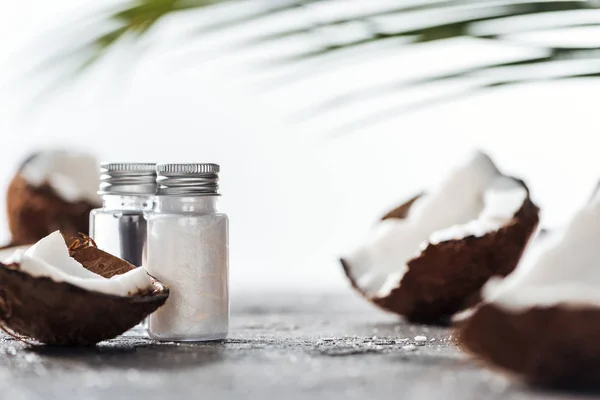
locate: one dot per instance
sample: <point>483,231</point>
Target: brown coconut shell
<point>35,212</point>
<point>399,212</point>
<point>447,277</point>
<point>402,210</point>
<point>83,249</point>
<point>551,347</point>
<point>61,314</point>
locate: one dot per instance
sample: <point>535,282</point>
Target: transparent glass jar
<point>188,252</point>
<point>119,227</point>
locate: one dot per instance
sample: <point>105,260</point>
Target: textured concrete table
<point>288,346</point>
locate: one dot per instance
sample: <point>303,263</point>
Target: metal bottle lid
<point>127,179</point>
<point>187,179</point>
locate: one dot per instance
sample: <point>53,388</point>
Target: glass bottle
<point>119,227</point>
<point>188,252</point>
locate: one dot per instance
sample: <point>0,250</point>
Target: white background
<point>297,194</point>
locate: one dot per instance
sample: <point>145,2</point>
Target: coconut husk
<point>59,313</point>
<point>84,250</point>
<point>552,347</point>
<point>35,212</point>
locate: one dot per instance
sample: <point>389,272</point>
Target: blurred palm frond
<point>418,21</point>
<point>133,20</point>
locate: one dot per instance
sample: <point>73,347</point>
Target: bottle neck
<point>127,203</point>
<point>186,205</point>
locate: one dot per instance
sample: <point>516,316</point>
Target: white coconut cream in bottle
<point>188,252</point>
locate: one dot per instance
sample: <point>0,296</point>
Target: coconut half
<point>429,258</point>
<point>59,299</point>
<point>542,322</point>
<point>53,190</point>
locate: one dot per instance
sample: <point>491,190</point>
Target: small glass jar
<point>119,227</point>
<point>188,252</point>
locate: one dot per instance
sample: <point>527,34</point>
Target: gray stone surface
<point>292,346</point>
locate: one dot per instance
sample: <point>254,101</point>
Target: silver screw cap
<point>127,179</point>
<point>187,179</point>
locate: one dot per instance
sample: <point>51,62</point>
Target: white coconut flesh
<point>73,176</point>
<point>563,270</point>
<point>473,200</point>
<point>7,253</point>
<point>50,258</point>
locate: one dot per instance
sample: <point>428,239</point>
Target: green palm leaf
<point>553,55</point>
<point>440,20</point>
<point>435,30</point>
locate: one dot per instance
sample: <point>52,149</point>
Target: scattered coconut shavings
<point>429,258</point>
<point>47,295</point>
<point>542,322</point>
